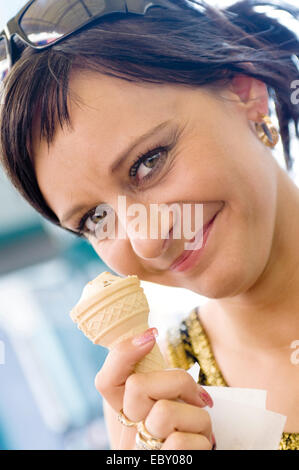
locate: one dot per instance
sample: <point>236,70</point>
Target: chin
<point>223,283</point>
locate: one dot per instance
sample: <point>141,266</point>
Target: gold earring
<point>267,132</point>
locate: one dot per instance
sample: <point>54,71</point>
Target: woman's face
<point>214,158</point>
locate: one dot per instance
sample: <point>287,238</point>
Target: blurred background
<point>47,366</point>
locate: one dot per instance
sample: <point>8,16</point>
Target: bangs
<point>196,48</point>
<point>34,110</point>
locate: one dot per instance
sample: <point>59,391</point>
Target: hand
<point>169,401</point>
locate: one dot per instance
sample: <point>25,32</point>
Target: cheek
<point>245,177</point>
<point>118,256</point>
<point>242,169</point>
<point>245,240</point>
<point>240,251</point>
<point>253,207</point>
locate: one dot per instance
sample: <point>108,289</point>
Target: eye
<point>148,164</point>
<point>144,168</point>
<point>94,220</point>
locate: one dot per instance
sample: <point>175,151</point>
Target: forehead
<point>106,115</point>
<point>117,107</point>
<point>109,112</point>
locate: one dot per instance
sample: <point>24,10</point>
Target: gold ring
<point>125,421</point>
<point>145,440</point>
<point>147,444</point>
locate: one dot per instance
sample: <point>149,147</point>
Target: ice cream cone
<point>112,309</point>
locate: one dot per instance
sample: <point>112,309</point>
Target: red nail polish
<point>206,397</point>
<point>146,337</point>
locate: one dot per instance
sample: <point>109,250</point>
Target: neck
<point>267,315</point>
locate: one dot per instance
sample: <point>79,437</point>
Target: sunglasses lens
<point>47,20</point>
<point>4,66</point>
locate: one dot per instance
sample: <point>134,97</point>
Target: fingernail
<point>147,337</point>
<point>205,397</point>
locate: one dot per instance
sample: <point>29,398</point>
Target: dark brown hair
<point>197,45</point>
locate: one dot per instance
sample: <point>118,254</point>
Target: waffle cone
<point>112,309</point>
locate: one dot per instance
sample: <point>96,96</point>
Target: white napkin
<point>240,420</point>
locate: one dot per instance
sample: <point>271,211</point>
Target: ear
<point>253,94</point>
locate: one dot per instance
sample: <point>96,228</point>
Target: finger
<point>119,365</point>
<point>167,417</point>
<point>186,441</point>
<point>143,390</point>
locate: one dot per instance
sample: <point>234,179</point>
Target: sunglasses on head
<point>42,23</point>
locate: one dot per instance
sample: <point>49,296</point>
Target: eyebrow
<point>125,153</point>
<point>118,162</point>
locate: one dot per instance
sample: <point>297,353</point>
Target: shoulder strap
<point>179,348</point>
<point>210,373</point>
<point>189,344</point>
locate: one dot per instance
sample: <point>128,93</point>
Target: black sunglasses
<point>42,23</point>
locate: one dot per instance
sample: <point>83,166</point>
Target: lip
<point>189,257</point>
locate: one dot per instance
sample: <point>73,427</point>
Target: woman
<point>168,102</point>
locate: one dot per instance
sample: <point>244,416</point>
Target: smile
<point>189,258</point>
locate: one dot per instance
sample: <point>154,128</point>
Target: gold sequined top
<point>189,344</point>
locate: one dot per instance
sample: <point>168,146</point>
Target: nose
<point>148,229</point>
